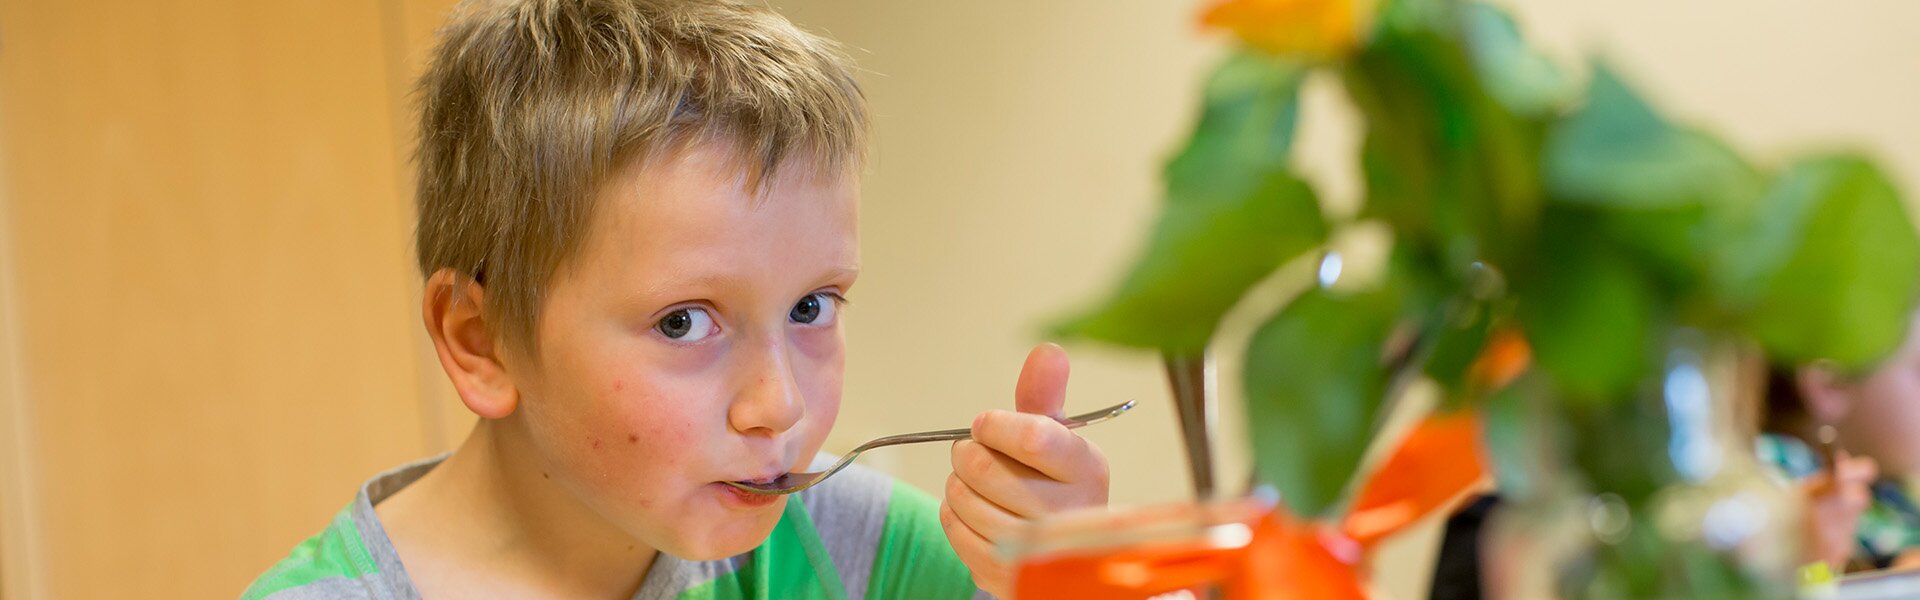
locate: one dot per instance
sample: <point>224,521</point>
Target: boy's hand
<point>1019,466</point>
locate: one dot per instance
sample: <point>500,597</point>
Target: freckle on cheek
<point>633,439</point>
<point>619,385</point>
<point>596,443</point>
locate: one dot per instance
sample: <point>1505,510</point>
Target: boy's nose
<point>769,401</point>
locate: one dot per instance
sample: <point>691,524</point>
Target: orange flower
<point>1314,29</point>
<point>1436,464</point>
<point>1505,357</point>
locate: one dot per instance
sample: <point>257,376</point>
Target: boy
<point>637,225</point>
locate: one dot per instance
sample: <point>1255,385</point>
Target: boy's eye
<point>815,309</point>
<point>686,325</point>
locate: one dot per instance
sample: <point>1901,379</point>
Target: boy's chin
<point>717,550</point>
<point>725,540</point>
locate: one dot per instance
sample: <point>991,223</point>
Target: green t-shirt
<point>858,535</point>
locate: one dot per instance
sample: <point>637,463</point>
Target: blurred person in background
<point>1851,442</point>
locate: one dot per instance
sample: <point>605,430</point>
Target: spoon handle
<point>947,435</point>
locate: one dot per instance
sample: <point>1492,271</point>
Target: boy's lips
<point>765,479</point>
<point>739,498</point>
<point>768,471</point>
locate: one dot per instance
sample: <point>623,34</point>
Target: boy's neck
<point>488,521</point>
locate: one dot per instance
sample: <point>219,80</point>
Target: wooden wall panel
<point>19,539</point>
<point>414,23</point>
<point>211,283</point>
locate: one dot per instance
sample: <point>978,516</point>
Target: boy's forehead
<point>697,210</point>
<point>705,191</point>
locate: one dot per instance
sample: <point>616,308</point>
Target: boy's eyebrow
<point>842,272</point>
<point>711,281</point>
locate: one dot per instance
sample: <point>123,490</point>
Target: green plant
<point>1520,200</point>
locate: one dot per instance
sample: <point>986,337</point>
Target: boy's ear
<point>453,308</point>
<point>1826,392</point>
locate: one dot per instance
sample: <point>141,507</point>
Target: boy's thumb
<point>1042,389</point>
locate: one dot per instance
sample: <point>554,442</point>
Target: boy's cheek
<point>618,437</point>
<point>643,448</point>
<point>825,347</point>
<point>653,484</point>
<point>649,446</point>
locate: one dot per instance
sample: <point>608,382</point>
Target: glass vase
<point>1657,494</point>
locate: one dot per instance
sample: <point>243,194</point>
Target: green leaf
<point>1617,152</point>
<point>1457,340</point>
<point>1519,438</point>
<point>1848,263</point>
<point>1524,81</point>
<point>1314,385</point>
<point>1445,163</point>
<point>1250,108</point>
<point>1587,313</point>
<point>1234,213</point>
<point>1667,242</point>
<point>1659,195</point>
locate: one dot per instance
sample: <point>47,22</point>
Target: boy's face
<point>693,340</point>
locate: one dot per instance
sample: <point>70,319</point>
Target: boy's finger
<point>1042,388</point>
<point>982,515</point>
<point>973,549</point>
<point>1042,443</point>
<point>1009,484</point>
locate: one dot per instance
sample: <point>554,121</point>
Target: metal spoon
<point>794,482</point>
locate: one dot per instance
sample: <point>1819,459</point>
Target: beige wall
<point>1018,143</point>
<point>206,316</point>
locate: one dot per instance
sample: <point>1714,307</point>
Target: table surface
<point>1880,585</point>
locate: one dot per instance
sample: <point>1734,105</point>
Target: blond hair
<point>529,105</point>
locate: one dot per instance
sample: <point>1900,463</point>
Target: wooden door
<point>210,335</point>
